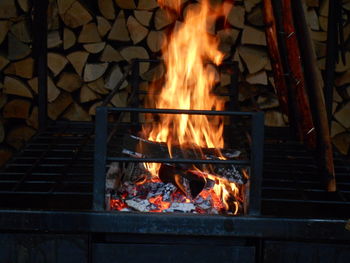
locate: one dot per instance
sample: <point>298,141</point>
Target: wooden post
<point>324,145</point>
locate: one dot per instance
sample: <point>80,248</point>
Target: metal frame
<point>101,158</point>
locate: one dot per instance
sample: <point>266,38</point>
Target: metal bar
<point>173,111</point>
<point>40,51</point>
<point>174,225</point>
<point>194,161</point>
<point>233,92</point>
<point>135,87</point>
<point>257,154</point>
<point>332,54</point>
<point>100,158</point>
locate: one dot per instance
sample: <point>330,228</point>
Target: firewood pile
<point>90,44</point>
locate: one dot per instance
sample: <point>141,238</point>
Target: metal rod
<point>168,160</point>
<point>257,154</point>
<point>40,53</point>
<point>191,112</point>
<point>100,158</point>
<point>332,54</point>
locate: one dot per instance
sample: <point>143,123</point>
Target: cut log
<point>120,99</point>
<point>154,73</point>
<point>58,106</point>
<point>236,16</point>
<point>255,18</point>
<point>17,49</point>
<point>268,101</point>
<point>253,36</point>
<point>92,110</point>
<point>257,78</point>
<point>103,26</point>
<point>312,18</point>
<point>343,115</point>
<point>52,90</point>
<point>137,31</point>
<point>15,86</point>
<point>78,60</point>
<point>109,54</point>
<point>342,142</point>
<point>69,81</point>
<point>340,81</point>
<point>56,62</point>
<point>320,49</point>
<point>94,71</point>
<point>106,8</point>
<point>324,8</point>
<point>53,22</point>
<point>319,36</point>
<point>126,4</point>
<point>276,62</point>
<point>76,15</point>
<point>23,68</point>
<point>130,53</point>
<point>336,128</point>
<point>275,118</point>
<point>162,19</point>
<point>312,3</point>
<point>143,16</point>
<point>114,76</point>
<point>147,4</point>
<point>8,9</point>
<point>89,34</point>
<point>33,120</point>
<point>3,62</point>
<point>155,40</point>
<point>64,5</point>
<point>227,38</point>
<point>119,31</point>
<point>255,58</point>
<point>4,28</point>
<point>323,20</point>
<point>19,135</point>
<point>98,86</point>
<point>24,5</point>
<point>76,113</point>
<point>17,108</point>
<point>54,39</point>
<point>87,95</point>
<point>21,31</point>
<point>69,38</point>
<point>95,48</point>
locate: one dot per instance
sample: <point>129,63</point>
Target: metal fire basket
<point>102,158</point>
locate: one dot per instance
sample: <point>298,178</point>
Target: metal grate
<point>53,171</point>
<point>292,186</point>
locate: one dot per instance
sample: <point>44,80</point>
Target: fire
<point>188,55</point>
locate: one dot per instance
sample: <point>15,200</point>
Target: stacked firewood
<point>317,15</point>
<point>91,44</point>
<point>18,112</point>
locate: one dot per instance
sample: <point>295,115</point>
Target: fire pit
<point>180,187</point>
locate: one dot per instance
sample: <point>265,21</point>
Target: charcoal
<point>181,207</point>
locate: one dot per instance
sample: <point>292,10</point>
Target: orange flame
<point>188,85</point>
